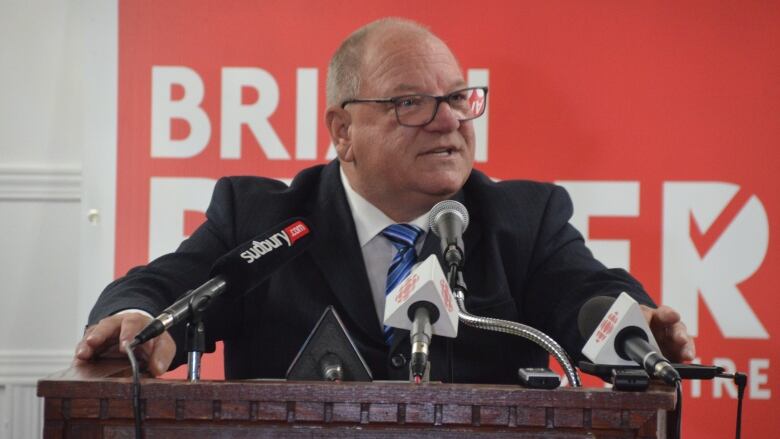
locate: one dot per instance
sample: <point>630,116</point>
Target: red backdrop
<point>680,98</point>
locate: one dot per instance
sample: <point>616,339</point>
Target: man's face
<point>408,163</point>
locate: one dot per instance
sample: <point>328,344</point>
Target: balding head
<point>344,70</point>
<point>402,170</point>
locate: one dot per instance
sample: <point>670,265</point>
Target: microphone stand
<point>195,342</point>
<point>195,334</point>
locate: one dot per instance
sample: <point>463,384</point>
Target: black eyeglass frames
<point>420,109</point>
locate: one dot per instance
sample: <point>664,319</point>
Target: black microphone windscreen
<point>253,261</point>
<point>591,314</point>
<point>448,208</point>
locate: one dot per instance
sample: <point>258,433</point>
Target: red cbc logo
<point>406,288</point>
<point>606,326</point>
<point>446,295</point>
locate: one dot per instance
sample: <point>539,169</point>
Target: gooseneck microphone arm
<point>518,329</point>
<point>448,220</point>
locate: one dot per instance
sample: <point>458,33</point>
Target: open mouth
<point>443,151</point>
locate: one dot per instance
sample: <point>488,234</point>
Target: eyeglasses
<point>419,110</point>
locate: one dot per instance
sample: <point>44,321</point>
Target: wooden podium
<point>94,402</point>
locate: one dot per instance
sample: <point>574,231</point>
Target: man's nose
<point>445,119</point>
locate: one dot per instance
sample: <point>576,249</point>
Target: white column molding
<point>40,183</point>
<point>27,367</point>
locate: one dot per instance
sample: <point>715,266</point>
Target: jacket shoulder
<point>513,196</point>
<point>249,204</point>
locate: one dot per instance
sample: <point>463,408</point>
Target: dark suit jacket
<point>524,262</point>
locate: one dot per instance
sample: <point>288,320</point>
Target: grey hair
<point>343,80</point>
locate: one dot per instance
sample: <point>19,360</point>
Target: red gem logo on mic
<point>406,288</point>
<point>446,295</point>
<point>606,326</point>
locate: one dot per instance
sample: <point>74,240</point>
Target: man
<point>399,114</point>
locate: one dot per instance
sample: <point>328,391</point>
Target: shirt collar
<point>369,220</point>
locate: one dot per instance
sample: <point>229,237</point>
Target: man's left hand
<point>670,333</point>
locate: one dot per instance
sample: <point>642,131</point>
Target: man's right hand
<point>109,336</point>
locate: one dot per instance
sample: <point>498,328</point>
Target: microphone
<point>617,334</point>
<point>448,220</point>
<point>423,304</point>
<point>237,271</point>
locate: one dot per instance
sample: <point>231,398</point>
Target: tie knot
<point>402,235</point>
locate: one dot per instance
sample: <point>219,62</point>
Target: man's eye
<point>409,101</point>
<point>458,97</point>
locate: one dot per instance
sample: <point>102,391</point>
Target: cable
<point>129,346</point>
<point>678,411</point>
<point>740,379</point>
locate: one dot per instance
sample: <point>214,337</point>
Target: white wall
<point>42,49</point>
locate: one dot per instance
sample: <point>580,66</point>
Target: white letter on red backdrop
<point>255,115</point>
<point>605,199</point>
<point>734,257</point>
<point>306,115</point>
<point>756,379</point>
<point>169,197</point>
<point>164,109</point>
<point>718,385</point>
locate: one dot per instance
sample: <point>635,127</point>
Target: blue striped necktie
<point>403,237</point>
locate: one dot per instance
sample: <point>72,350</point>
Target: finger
<point>686,348</point>
<point>679,333</point>
<point>162,354</point>
<point>656,326</point>
<point>132,324</point>
<point>675,343</point>
<point>83,351</point>
<point>648,313</point>
<point>666,315</point>
<point>670,333</point>
<point>689,350</point>
<point>661,320</point>
<point>105,330</point>
<point>97,338</point>
<point>87,353</point>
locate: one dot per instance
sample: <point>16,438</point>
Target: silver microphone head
<point>448,207</point>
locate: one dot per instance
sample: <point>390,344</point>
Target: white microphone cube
<point>426,282</point>
<point>624,312</point>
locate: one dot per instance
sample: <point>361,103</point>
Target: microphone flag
<point>624,312</point>
<point>425,283</point>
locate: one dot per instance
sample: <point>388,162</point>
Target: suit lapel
<point>337,252</point>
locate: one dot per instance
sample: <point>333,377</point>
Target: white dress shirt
<point>377,250</point>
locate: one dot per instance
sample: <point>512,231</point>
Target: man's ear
<point>338,121</point>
